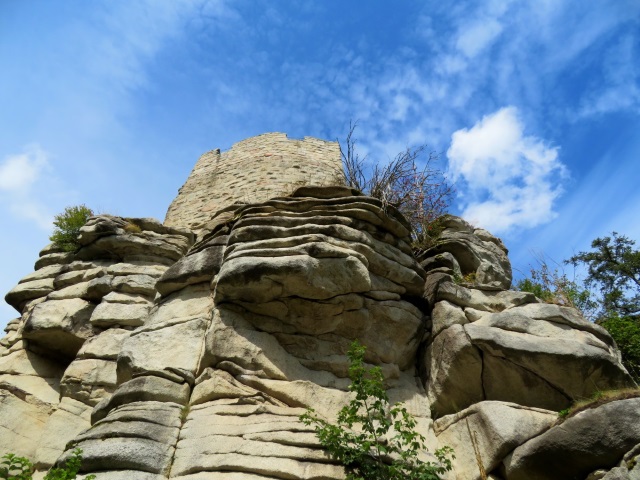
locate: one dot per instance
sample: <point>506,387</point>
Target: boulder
<point>511,357</point>
<point>24,292</point>
<point>481,257</point>
<point>595,438</point>
<point>483,434</point>
<point>199,266</point>
<point>60,326</point>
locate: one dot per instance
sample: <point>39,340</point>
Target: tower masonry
<point>253,170</point>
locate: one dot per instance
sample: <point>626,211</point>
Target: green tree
<point>614,268</point>
<point>372,439</point>
<point>626,332</point>
<point>610,293</point>
<point>67,227</point>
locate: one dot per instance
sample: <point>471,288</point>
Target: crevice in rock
<point>545,381</point>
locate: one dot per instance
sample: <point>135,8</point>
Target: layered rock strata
<point>169,355</point>
<point>59,358</point>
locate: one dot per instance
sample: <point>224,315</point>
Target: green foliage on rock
<point>613,278</point>
<point>410,182</point>
<point>16,468</point>
<point>614,268</point>
<point>20,468</point>
<point>372,439</point>
<point>626,332</point>
<point>68,225</point>
<point>552,285</point>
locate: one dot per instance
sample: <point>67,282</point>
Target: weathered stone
<point>199,358</point>
<point>106,345</point>
<point>594,438</point>
<point>444,315</point>
<point>108,314</point>
<point>216,384</point>
<point>127,298</point>
<point>42,389</point>
<point>143,389</point>
<point>60,325</point>
<point>77,276</point>
<point>23,292</point>
<point>147,350</point>
<point>68,420</point>
<point>57,258</point>
<point>50,271</point>
<point>478,253</point>
<point>573,363</point>
<point>262,279</point>
<point>443,260</point>
<point>89,380</point>
<point>455,372</point>
<point>142,284</point>
<point>122,453</point>
<point>486,432</point>
<point>191,269</point>
<point>22,419</point>
<point>487,300</point>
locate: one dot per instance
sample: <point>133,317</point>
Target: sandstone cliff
<point>170,353</point>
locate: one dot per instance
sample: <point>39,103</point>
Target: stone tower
<point>253,170</point>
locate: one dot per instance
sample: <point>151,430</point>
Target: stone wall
<point>253,170</point>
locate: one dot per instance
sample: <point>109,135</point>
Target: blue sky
<point>534,106</point>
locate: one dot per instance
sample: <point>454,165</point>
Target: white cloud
<point>512,179</point>
<point>620,89</point>
<point>34,211</point>
<point>476,37</point>
<point>19,172</point>
<point>19,176</point>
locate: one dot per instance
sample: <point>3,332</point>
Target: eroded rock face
<point>470,252</point>
<point>592,439</point>
<point>59,359</point>
<point>488,343</point>
<point>168,355</point>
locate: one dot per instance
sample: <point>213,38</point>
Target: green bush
<point>15,468</point>
<point>20,468</point>
<point>551,285</point>
<point>67,227</point>
<point>626,332</point>
<point>372,439</point>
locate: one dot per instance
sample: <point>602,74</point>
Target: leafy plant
<point>409,183</point>
<point>70,469</point>
<point>16,468</point>
<point>67,227</point>
<point>372,439</point>
<point>20,468</point>
<point>552,285</point>
<point>626,333</point>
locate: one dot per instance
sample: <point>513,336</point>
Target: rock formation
<point>188,350</point>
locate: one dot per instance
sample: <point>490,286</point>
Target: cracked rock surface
<point>170,354</point>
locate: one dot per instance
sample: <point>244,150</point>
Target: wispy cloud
<point>19,172</point>
<point>511,179</point>
<point>619,89</point>
<point>19,175</point>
